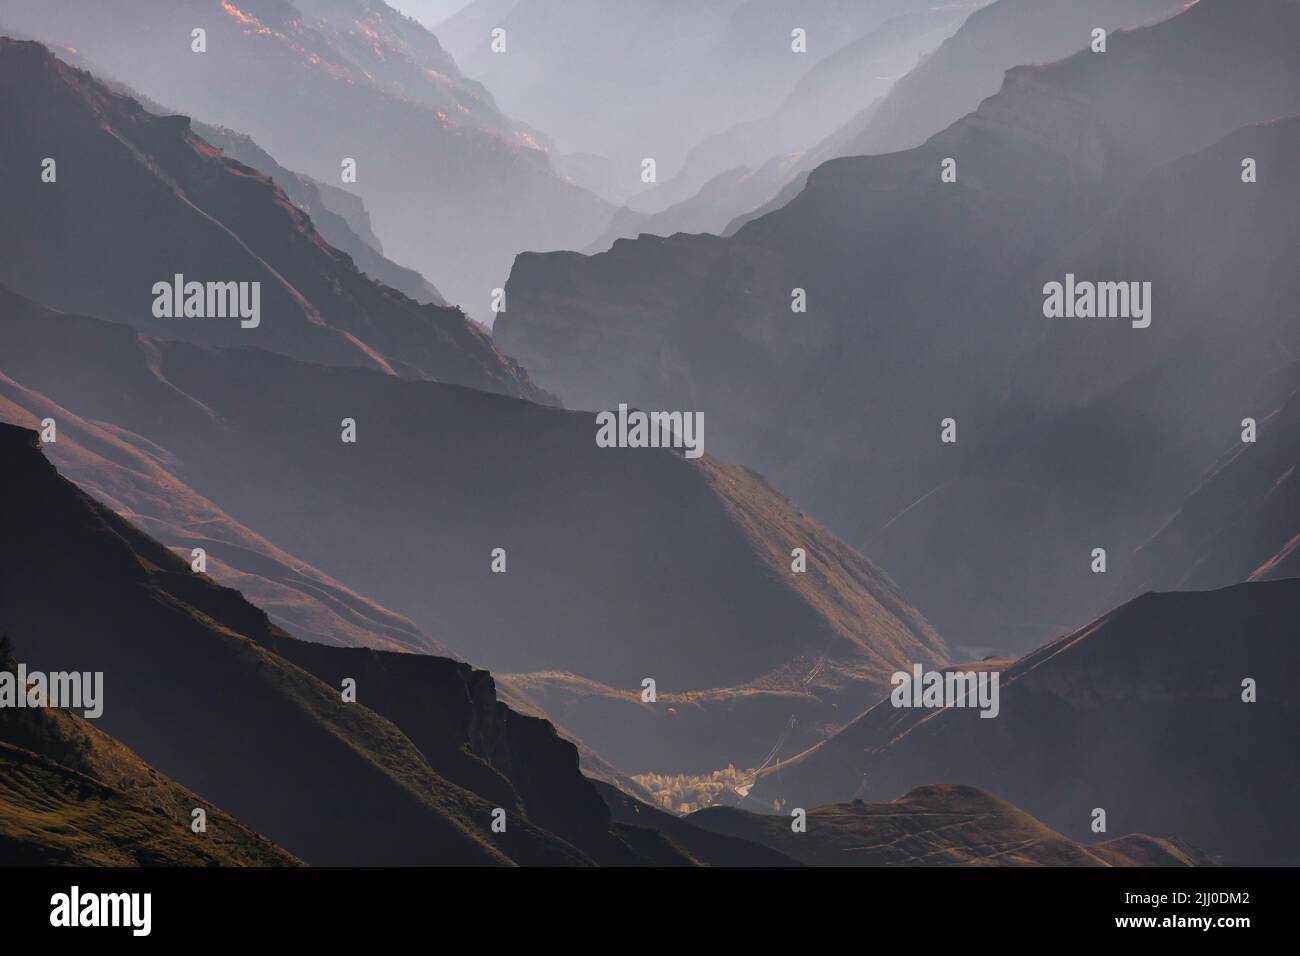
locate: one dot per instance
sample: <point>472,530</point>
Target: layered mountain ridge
<point>924,302</point>
<point>442,476</point>
<point>1167,714</point>
<point>203,687</point>
<point>891,112</point>
<point>455,188</point>
<point>210,219</point>
<point>937,825</point>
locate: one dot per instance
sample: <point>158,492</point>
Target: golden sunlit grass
<point>239,14</point>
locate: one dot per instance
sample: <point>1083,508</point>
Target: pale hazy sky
<point>429,12</point>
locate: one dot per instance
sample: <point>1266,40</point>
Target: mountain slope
<point>711,849</point>
<point>1242,522</point>
<point>333,782</point>
<point>52,816</point>
<point>1140,713</point>
<point>728,174</point>
<point>209,219</point>
<point>455,188</point>
<point>131,475</point>
<point>71,795</point>
<point>339,216</point>
<point>443,475</point>
<point>924,302</point>
<point>951,81</point>
<point>970,65</point>
<point>941,825</point>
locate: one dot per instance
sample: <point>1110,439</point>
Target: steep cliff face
<point>450,711</point>
<point>209,220</point>
<point>194,682</point>
<point>924,302</point>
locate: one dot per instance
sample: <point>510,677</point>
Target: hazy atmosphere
<point>649,433</point>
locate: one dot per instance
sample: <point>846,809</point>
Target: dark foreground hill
<point>71,795</point>
<point>203,688</point>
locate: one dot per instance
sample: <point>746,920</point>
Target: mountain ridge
<point>331,781</point>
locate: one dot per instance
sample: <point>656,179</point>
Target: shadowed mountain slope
<point>1140,713</point>
<point>209,219</point>
<point>71,795</point>
<point>1242,523</point>
<point>969,66</point>
<point>733,172</point>
<point>925,302</point>
<point>950,82</point>
<point>455,188</point>
<point>941,825</point>
<point>131,475</point>
<point>202,686</point>
<point>703,845</point>
<point>339,216</point>
<point>442,475</point>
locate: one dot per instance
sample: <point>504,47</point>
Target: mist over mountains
<point>666,69</point>
<point>209,217</point>
<point>924,303</point>
<point>899,83</point>
<point>983,315</point>
<point>1138,713</point>
<point>465,464</point>
<point>455,187</point>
